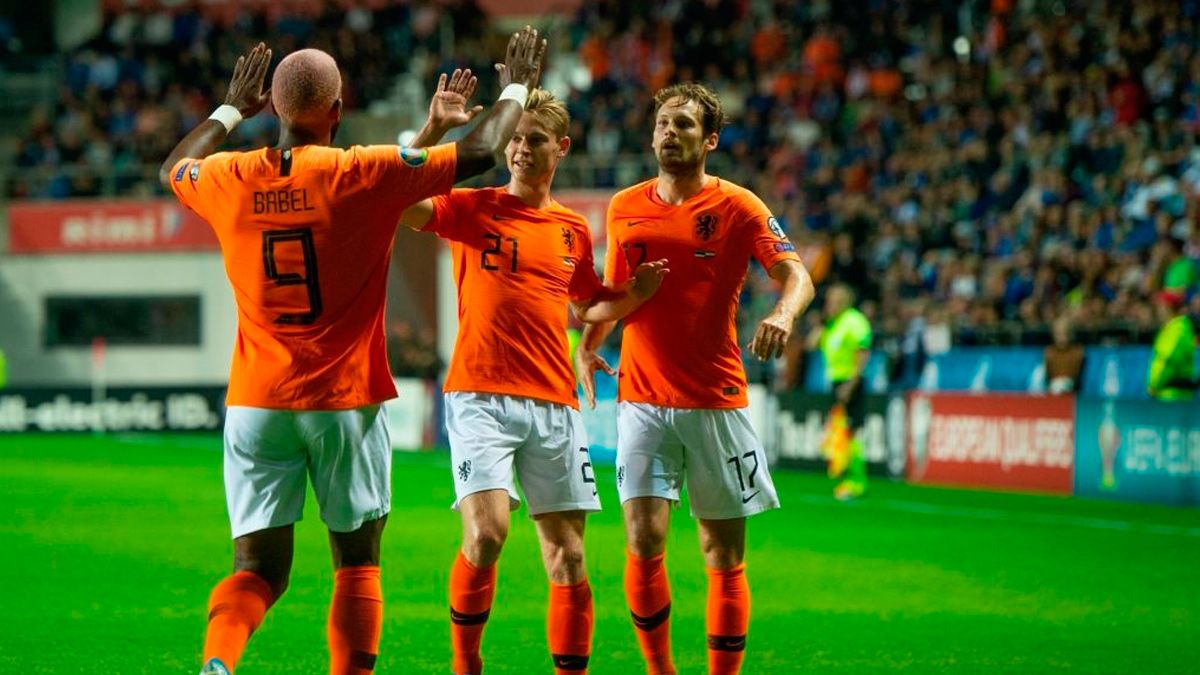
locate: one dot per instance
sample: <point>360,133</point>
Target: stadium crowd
<point>972,166</point>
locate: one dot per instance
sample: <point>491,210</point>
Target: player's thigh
<point>265,467</point>
<point>350,464</point>
<point>856,409</point>
<point>649,453</point>
<point>727,471</point>
<point>485,431</point>
<point>554,464</point>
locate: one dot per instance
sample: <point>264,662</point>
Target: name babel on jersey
<point>306,234</point>
<point>680,348</point>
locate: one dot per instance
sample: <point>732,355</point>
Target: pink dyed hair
<point>305,85</point>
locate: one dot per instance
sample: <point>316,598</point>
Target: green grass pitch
<point>110,547</point>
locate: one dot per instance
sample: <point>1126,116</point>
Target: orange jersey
<point>306,235</point>
<point>516,267</point>
<point>680,349</point>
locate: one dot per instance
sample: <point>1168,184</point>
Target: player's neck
<point>677,188</point>
<point>290,137</point>
<point>536,195</point>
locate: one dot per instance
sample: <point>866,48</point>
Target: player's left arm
<point>614,304</point>
<point>245,98</point>
<point>448,108</point>
<point>798,292</point>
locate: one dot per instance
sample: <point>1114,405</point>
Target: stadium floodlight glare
<point>962,48</point>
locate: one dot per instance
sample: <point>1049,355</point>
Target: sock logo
<point>727,643</point>
<point>464,470</point>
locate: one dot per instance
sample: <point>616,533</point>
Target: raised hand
<point>246,86</point>
<point>523,61</point>
<point>648,277</point>
<point>448,107</point>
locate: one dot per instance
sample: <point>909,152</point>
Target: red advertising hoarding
<point>106,226</point>
<point>994,441</point>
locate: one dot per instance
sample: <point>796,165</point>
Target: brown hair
<point>710,105</point>
<point>548,111</point>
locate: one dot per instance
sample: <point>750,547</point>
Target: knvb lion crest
<point>706,226</point>
<point>568,239</point>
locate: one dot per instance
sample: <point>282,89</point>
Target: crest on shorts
<point>775,228</point>
<point>568,239</point>
<point>620,475</point>
<point>414,157</point>
<point>464,470</point>
<point>706,226</point>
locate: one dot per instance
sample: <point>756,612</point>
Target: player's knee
<point>722,557</point>
<point>564,564</point>
<point>483,546</point>
<point>275,576</point>
<point>646,542</point>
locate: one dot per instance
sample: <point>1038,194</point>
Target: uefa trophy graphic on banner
<point>1109,440</point>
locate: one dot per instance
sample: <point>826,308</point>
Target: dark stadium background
<point>977,171</point>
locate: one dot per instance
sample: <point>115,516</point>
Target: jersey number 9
<point>304,237</point>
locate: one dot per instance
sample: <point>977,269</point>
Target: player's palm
<point>449,106</point>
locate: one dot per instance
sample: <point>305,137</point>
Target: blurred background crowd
<point>978,170</point>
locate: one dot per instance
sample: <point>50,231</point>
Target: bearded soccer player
<point>520,258</point>
<point>306,233</point>
<point>682,388</point>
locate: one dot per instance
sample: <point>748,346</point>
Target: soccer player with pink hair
<point>310,370</point>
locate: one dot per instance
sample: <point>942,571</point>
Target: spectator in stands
<point>1063,360</point>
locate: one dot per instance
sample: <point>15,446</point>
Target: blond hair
<point>549,112</point>
<point>710,105</point>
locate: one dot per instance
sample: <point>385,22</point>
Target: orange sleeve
<point>585,284</point>
<point>450,214</point>
<point>197,183</point>
<point>400,177</point>
<point>769,244</point>
<point>616,269</point>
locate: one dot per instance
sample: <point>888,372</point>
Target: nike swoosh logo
<point>634,223</point>
<point>746,500</point>
<point>497,216</point>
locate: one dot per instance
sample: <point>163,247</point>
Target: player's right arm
<point>245,93</point>
<point>447,110</point>
<point>476,153</point>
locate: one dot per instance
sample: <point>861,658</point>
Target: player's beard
<point>680,162</point>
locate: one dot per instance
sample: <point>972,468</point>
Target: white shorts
<point>546,441</point>
<point>716,451</point>
<point>270,454</point>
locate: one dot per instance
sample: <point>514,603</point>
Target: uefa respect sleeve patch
<point>414,157</point>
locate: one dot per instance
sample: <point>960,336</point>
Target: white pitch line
<point>1002,515</point>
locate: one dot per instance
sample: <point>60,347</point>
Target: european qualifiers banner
<point>992,441</point>
<point>1145,451</point>
<point>800,432</point>
<point>121,409</point>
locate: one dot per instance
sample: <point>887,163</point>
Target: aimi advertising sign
<point>106,226</point>
<point>993,441</point>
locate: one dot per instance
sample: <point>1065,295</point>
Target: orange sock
<point>235,609</point>
<point>649,599</point>
<point>728,619</point>
<point>471,593</point>
<point>569,627</point>
<point>355,620</point>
